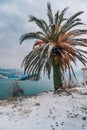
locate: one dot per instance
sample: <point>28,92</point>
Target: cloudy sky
<point>14,23</point>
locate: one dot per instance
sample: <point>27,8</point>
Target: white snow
<point>45,111</point>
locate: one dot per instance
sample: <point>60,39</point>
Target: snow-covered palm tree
<point>56,45</point>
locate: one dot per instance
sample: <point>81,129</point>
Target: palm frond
<point>49,13</point>
<point>75,42</point>
<point>82,51</point>
<point>32,35</point>
<point>40,23</point>
<point>72,71</point>
<point>71,22</point>
<point>73,25</point>
<point>47,68</point>
<point>30,58</point>
<point>61,16</point>
<point>45,48</point>
<point>56,18</point>
<point>81,59</point>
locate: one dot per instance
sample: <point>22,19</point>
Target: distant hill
<point>11,73</point>
<point>1,76</point>
<point>15,73</point>
<point>34,77</point>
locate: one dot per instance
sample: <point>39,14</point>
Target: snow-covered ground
<point>46,111</point>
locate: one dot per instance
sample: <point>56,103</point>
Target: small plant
<point>17,91</point>
<point>70,84</point>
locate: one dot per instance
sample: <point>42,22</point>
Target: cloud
<point>14,23</point>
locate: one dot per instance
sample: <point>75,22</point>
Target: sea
<point>7,86</point>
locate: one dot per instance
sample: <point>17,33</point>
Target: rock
<point>37,104</point>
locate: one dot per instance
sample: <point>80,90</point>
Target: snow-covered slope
<point>46,111</point>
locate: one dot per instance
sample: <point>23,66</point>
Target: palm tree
<point>56,45</point>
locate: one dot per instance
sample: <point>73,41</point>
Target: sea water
<point>28,87</point>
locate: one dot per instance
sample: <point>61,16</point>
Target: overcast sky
<point>14,23</point>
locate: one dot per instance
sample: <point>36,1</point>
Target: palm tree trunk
<point>57,76</point>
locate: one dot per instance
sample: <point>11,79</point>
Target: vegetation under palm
<point>56,45</point>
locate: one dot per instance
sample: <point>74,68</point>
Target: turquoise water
<point>29,87</point>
